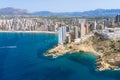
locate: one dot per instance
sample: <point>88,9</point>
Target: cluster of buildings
<point>83,29</point>
<point>78,32</point>
<point>111,33</point>
<point>27,24</point>
<point>112,28</point>
<point>70,29</point>
<point>46,24</point>
<point>117,20</point>
<point>112,22</point>
<point>17,24</point>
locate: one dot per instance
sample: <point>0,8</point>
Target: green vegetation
<point>70,47</point>
<point>110,26</point>
<point>112,45</point>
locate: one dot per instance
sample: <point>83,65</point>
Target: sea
<point>22,58</point>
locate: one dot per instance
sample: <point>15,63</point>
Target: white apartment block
<point>111,33</point>
<point>61,35</point>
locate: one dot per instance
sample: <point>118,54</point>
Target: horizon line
<point>60,11</point>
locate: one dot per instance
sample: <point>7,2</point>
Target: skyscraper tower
<point>82,25</point>
<point>95,25</point>
<point>117,18</point>
<point>75,32</point>
<point>61,35</point>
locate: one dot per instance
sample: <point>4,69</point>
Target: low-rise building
<point>111,33</point>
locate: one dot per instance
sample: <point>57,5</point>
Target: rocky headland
<point>107,51</point>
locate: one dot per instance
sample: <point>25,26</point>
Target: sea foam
<point>8,47</point>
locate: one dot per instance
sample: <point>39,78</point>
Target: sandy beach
<point>47,32</point>
<point>71,47</point>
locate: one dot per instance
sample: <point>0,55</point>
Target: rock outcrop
<point>108,51</point>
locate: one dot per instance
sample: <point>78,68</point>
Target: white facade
<point>111,33</point>
<point>82,29</point>
<point>61,35</point>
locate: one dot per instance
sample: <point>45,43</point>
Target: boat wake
<point>8,47</point>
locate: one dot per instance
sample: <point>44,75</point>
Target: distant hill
<point>12,11</point>
<point>43,13</point>
<point>101,12</point>
<point>94,13</point>
<point>91,13</point>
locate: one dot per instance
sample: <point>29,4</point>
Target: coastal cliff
<point>108,51</point>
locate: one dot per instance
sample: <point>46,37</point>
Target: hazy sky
<point>61,5</point>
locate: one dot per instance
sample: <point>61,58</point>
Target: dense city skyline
<point>61,5</point>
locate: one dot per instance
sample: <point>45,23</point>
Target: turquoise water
<point>21,58</point>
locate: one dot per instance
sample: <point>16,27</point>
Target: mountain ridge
<point>12,11</point>
<point>93,13</point>
<point>90,13</point>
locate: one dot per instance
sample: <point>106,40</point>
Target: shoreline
<point>46,32</point>
<point>65,49</point>
<point>107,59</point>
<point>58,55</point>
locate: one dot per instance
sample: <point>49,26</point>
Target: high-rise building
<point>87,28</point>
<point>75,32</point>
<point>92,26</point>
<point>67,28</point>
<point>95,25</point>
<point>61,35</point>
<point>68,38</point>
<point>82,25</point>
<point>117,18</point>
